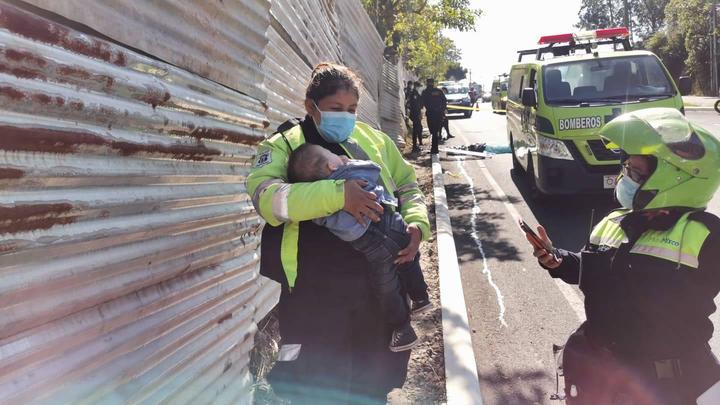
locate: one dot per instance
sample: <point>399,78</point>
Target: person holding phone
<point>649,271</point>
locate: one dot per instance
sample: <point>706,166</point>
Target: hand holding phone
<point>544,250</point>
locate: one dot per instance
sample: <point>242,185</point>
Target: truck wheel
<point>717,106</point>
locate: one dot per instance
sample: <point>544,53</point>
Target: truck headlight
<point>553,148</point>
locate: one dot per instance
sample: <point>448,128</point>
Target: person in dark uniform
<point>435,105</point>
<point>446,123</point>
<point>334,347</point>
<point>649,272</point>
<point>408,89</point>
<point>415,106</point>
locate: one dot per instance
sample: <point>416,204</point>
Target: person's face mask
<point>335,126</point>
<point>625,191</point>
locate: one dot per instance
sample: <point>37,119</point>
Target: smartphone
<point>535,239</point>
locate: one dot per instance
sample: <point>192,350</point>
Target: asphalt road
<point>516,311</point>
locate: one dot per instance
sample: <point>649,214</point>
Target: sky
<point>508,26</point>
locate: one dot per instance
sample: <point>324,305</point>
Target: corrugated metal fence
<point>128,244</point>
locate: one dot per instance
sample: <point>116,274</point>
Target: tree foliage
<point>645,17</point>
<point>678,31</point>
<point>456,72</point>
<point>412,29</point>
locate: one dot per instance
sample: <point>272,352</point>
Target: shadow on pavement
<point>488,225</point>
<point>566,218</point>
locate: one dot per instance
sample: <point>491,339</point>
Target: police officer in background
<point>407,90</point>
<point>649,271</point>
<point>415,106</point>
<point>435,105</point>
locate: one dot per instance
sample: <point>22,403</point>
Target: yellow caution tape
<point>462,107</point>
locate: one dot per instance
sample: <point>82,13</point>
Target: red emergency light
<point>616,32</point>
<point>554,39</point>
<point>612,32</point>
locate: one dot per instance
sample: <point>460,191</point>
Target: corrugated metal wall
<point>390,103</point>
<point>128,244</point>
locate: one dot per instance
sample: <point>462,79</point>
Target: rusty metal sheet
<point>128,243</point>
<point>390,103</point>
<point>312,26</point>
<point>286,79</point>
<point>220,40</point>
<point>361,45</point>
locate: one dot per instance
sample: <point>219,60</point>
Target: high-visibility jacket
<point>649,284</point>
<point>282,203</point>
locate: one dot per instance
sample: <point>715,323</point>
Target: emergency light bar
<point>564,44</point>
<point>605,33</point>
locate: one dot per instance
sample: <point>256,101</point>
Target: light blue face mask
<point>625,191</point>
<point>335,126</point>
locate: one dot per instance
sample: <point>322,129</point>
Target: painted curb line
<point>461,378</point>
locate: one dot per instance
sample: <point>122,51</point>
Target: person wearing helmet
<point>649,270</point>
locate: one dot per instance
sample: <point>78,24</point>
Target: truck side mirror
<point>528,97</point>
<point>685,85</point>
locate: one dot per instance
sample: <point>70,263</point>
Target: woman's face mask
<point>335,126</point>
<point>625,191</point>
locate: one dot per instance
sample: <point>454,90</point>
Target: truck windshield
<point>610,80</point>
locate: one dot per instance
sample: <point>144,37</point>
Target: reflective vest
<point>680,244</point>
<point>282,203</point>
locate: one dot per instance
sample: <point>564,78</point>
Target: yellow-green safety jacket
<point>280,202</point>
<point>649,284</point>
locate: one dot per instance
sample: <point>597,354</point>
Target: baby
<point>379,242</point>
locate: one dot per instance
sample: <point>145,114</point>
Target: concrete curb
<point>461,378</point>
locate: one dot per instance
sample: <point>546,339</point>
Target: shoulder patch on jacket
<point>264,158</point>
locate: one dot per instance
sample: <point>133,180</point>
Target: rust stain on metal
<point>73,72</point>
<point>24,56</point>
<point>155,96</point>
<point>6,173</point>
<point>225,318</point>
<point>42,98</point>
<point>181,152</point>
<point>34,27</point>
<point>45,140</point>
<point>12,93</point>
<point>219,134</point>
<point>54,141</point>
<point>77,105</point>
<point>20,72</point>
<point>31,217</point>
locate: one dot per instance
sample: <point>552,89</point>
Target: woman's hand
<point>360,203</point>
<point>408,254</point>
<point>543,254</point>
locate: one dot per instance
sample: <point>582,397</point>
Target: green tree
<point>644,17</point>
<point>456,72</point>
<point>687,21</point>
<point>670,47</point>
<point>413,30</point>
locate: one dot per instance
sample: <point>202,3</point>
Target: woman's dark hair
<point>328,78</point>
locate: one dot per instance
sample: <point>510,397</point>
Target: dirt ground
<point>426,374</point>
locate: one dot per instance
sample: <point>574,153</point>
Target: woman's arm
<point>278,201</point>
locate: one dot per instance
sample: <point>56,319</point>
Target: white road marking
<point>476,237</point>
<point>571,296</point>
<point>461,379</point>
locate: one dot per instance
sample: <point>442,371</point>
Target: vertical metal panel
<point>362,50</point>
<point>128,244</point>
<point>220,40</point>
<point>390,103</point>
<point>312,26</point>
<point>286,77</point>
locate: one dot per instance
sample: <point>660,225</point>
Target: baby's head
<point>311,162</point>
